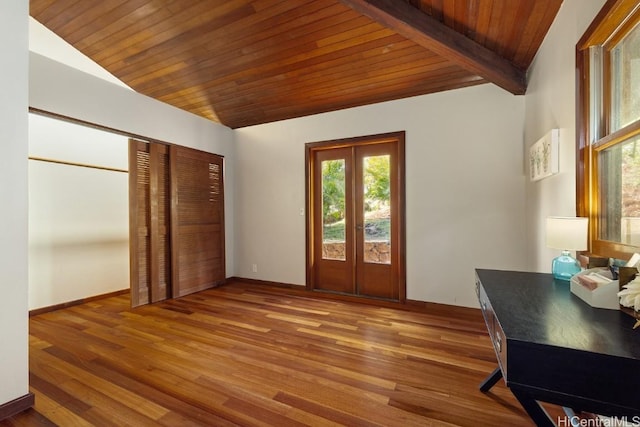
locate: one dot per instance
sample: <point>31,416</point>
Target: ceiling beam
<point>433,35</point>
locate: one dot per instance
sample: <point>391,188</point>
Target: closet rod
<point>83,165</point>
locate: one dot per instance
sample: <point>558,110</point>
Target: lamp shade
<point>567,233</point>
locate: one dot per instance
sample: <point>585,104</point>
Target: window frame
<point>613,22</point>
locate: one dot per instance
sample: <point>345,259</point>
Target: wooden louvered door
<point>197,220</point>
<point>149,215</point>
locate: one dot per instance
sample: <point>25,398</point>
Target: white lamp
<point>567,234</point>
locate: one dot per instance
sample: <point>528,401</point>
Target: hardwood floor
<point>256,355</point>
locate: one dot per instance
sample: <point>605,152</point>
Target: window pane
<point>377,209</point>
<point>596,111</point>
<point>333,209</point>
<point>619,187</point>
<point>625,84</point>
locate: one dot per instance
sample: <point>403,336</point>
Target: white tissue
<point>630,294</point>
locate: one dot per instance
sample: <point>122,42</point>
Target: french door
<point>355,221</point>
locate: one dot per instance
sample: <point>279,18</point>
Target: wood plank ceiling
<point>246,62</point>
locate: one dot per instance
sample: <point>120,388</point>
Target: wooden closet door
<point>149,214</point>
<point>197,220</point>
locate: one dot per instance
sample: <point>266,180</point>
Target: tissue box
<point>593,292</point>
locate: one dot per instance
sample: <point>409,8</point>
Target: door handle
<point>359,227</point>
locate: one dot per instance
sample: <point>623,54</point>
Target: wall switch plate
<point>254,268</point>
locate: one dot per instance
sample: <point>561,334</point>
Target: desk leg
<point>491,380</point>
<point>533,408</point>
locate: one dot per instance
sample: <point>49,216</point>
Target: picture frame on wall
<point>543,156</point>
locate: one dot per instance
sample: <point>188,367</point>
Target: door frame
<point>310,149</point>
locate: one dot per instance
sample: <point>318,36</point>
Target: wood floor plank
<point>255,355</point>
<point>57,413</point>
<point>80,377</point>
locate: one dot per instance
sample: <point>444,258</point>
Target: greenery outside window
<point>608,116</point>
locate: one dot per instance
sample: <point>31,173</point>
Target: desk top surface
<point>533,307</point>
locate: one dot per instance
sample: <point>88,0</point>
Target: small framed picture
<point>543,156</point>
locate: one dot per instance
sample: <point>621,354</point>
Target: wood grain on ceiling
<point>246,62</point>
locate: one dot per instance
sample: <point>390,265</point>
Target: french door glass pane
<point>619,187</point>
<point>625,84</point>
<point>377,209</point>
<point>333,209</point>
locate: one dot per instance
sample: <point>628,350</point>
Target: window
<point>608,59</point>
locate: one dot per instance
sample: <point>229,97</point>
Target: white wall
<point>550,103</point>
<point>78,216</point>
<point>60,89</point>
<point>45,42</point>
<point>14,330</point>
<point>464,191</point>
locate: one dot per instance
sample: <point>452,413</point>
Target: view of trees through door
<point>376,208</point>
<point>355,239</point>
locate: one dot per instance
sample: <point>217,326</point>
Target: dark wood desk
<point>553,347</point>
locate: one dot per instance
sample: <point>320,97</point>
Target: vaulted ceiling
<point>245,62</point>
